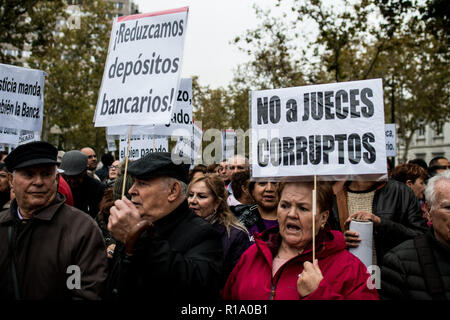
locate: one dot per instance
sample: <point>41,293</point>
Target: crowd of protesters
<point>211,232</point>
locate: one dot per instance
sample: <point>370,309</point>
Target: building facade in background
<point>428,143</point>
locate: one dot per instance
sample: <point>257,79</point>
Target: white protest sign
<point>329,130</point>
<point>26,136</point>
<point>141,146</point>
<point>228,143</point>
<point>141,74</point>
<point>9,136</point>
<point>21,97</point>
<point>391,148</point>
<point>179,125</point>
<point>111,143</point>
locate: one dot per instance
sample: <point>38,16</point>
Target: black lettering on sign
<point>275,152</point>
<point>263,159</point>
<point>262,110</point>
<point>354,148</point>
<point>327,146</point>
<point>300,150</point>
<point>288,151</point>
<point>275,109</point>
<point>341,97</point>
<point>315,149</point>
<point>370,156</point>
<point>291,113</point>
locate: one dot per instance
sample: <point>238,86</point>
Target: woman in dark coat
<point>207,197</point>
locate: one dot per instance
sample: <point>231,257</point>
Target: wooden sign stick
<point>314,208</point>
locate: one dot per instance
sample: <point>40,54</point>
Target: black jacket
<point>402,276</point>
<point>180,258</point>
<point>233,245</point>
<point>398,209</point>
<point>88,195</point>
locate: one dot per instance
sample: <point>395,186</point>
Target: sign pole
<point>314,208</point>
<point>126,163</point>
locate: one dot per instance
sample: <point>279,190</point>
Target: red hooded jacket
<point>344,275</point>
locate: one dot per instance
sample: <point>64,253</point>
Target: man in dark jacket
<point>48,250</point>
<point>390,205</point>
<point>87,192</point>
<point>419,269</point>
<point>179,256</point>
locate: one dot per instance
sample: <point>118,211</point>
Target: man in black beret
<point>179,256</point>
<point>48,250</point>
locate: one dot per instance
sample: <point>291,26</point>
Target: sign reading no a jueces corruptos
<point>327,130</point>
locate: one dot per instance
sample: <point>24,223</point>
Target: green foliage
<point>74,62</point>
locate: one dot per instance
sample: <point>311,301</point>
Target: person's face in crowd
<point>92,158</point>
<point>223,171</point>
<point>114,170</point>
<point>236,164</point>
<point>4,183</point>
<point>265,194</point>
<point>418,187</point>
<point>150,197</point>
<point>74,181</point>
<point>440,212</point>
<point>295,215</point>
<point>444,163</point>
<point>201,200</point>
<point>34,187</point>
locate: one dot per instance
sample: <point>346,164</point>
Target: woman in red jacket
<point>278,265</point>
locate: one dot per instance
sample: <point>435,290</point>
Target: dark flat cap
<point>31,154</point>
<point>157,164</point>
<point>74,163</point>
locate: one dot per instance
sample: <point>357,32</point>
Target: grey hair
<point>170,180</point>
<point>430,192</point>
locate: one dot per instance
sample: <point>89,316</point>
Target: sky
<point>212,25</point>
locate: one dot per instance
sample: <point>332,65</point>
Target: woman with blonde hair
<point>207,197</point>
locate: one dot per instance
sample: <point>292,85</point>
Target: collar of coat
<point>166,223</point>
<point>45,213</point>
<point>327,242</point>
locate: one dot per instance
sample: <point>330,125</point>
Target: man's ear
<point>10,179</point>
<point>174,191</point>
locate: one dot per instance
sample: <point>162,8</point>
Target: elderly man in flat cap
<point>179,256</point>
<point>48,250</point>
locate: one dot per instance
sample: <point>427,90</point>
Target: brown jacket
<point>55,238</point>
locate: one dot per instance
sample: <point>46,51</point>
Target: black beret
<point>31,154</point>
<point>157,164</point>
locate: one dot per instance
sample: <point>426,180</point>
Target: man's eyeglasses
<point>114,167</point>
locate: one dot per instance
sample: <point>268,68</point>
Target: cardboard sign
<point>141,75</point>
<point>141,146</point>
<point>21,97</point>
<point>331,130</point>
<point>111,142</point>
<point>391,147</point>
<point>180,123</point>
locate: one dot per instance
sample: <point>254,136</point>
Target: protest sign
<point>26,136</point>
<point>21,97</point>
<point>180,123</point>
<point>141,146</point>
<point>142,69</point>
<point>228,143</point>
<point>9,136</point>
<point>391,148</point>
<point>111,143</point>
<point>332,130</point>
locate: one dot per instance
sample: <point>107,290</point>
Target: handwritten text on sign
<point>330,129</point>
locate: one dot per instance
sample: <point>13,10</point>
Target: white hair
<point>170,180</point>
<point>430,190</point>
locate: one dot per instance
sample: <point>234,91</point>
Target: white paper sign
<point>141,146</point>
<point>364,250</point>
<point>391,148</point>
<point>190,147</point>
<point>111,142</point>
<point>325,130</point>
<point>141,75</point>
<point>21,97</point>
<point>180,123</point>
<point>9,136</point>
<point>29,136</point>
